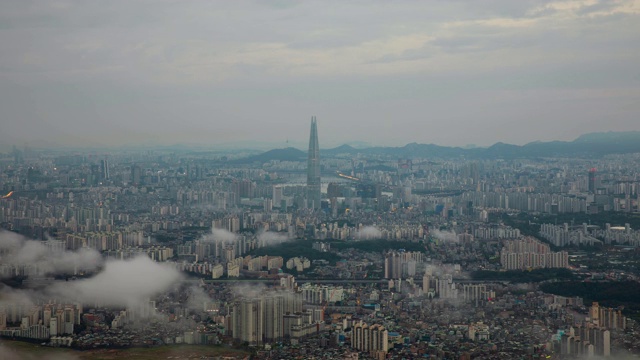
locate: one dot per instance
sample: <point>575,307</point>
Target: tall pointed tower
<point>313,168</point>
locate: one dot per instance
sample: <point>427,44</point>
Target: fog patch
<point>368,233</point>
<point>220,235</point>
<point>247,290</point>
<point>445,236</point>
<point>268,238</point>
<point>121,283</point>
<point>43,257</point>
<point>197,298</point>
<point>10,296</point>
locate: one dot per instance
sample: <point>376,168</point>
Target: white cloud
<point>368,233</point>
<point>121,283</point>
<point>267,238</point>
<point>445,236</point>
<point>16,251</point>
<point>220,235</point>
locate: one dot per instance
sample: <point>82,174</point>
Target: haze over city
<point>441,179</point>
<point>100,74</point>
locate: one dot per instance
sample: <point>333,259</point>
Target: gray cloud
<point>121,283</point>
<point>16,251</point>
<point>220,235</point>
<point>10,296</point>
<point>445,236</point>
<point>128,69</point>
<point>267,238</point>
<point>247,290</point>
<point>368,233</point>
<point>117,283</point>
<point>197,298</point>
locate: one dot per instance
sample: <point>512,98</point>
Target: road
<point>333,281</point>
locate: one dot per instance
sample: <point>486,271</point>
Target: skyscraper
<point>247,321</point>
<point>104,169</point>
<point>136,175</point>
<point>313,168</point>
<point>592,180</point>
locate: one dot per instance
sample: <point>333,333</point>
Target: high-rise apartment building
<point>247,321</point>
<point>607,318</point>
<point>372,339</point>
<point>136,174</point>
<point>104,169</point>
<point>273,315</point>
<point>277,195</point>
<point>263,319</point>
<point>399,265</point>
<point>529,253</point>
<point>313,168</point>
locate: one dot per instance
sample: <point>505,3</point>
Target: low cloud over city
<point>17,251</point>
<point>444,72</point>
<point>368,233</point>
<point>328,180</point>
<point>120,283</point>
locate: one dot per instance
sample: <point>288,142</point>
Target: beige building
<point>373,339</point>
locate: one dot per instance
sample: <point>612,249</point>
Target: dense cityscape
<point>287,179</point>
<point>343,254</point>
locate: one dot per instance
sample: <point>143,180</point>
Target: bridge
<point>332,281</point>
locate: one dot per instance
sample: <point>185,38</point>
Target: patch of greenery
<point>524,276</point>
<point>296,249</point>
<point>378,245</point>
<point>617,291</point>
<point>611,293</point>
<point>447,192</point>
<point>163,238</point>
<point>529,224</point>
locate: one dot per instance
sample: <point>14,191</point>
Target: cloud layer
<point>16,251</point>
<point>117,283</point>
<point>368,233</point>
<point>220,235</point>
<point>420,71</point>
<point>268,238</point>
<point>121,283</point>
<point>445,236</point>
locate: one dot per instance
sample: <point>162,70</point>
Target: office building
<point>277,196</point>
<point>104,169</point>
<point>313,168</point>
<point>592,180</point>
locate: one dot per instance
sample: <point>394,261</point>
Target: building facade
<point>313,168</point>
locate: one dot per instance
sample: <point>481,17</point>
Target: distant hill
<point>342,149</point>
<point>588,145</point>
<point>286,154</point>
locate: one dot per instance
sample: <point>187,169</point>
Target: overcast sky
<point>449,72</point>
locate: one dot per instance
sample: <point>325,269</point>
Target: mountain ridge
<point>286,154</point>
<point>587,145</point>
